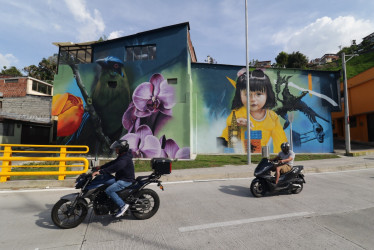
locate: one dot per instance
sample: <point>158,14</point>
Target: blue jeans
<point>117,186</point>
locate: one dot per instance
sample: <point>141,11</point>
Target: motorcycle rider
<point>123,167</point>
<point>285,158</point>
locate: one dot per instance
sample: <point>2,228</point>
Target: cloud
<point>7,60</point>
<point>92,27</point>
<point>323,36</point>
<point>115,34</point>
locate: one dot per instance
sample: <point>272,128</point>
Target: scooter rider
<point>286,158</point>
<point>123,166</point>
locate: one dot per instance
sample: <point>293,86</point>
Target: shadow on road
<point>236,190</point>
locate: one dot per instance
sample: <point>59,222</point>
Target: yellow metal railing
<point>8,150</point>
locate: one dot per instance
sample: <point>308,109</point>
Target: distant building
<point>369,38</point>
<point>25,110</point>
<point>263,64</point>
<point>328,58</point>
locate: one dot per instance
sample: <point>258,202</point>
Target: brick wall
<point>13,89</point>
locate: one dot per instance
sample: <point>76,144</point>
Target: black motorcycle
<point>72,209</point>
<point>291,182</point>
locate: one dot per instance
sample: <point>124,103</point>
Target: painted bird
<point>111,94</point>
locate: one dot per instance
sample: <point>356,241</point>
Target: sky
<point>217,27</point>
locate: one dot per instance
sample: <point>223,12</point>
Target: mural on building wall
<point>285,105</point>
<point>95,106</point>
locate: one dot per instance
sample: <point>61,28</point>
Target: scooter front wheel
<point>257,188</point>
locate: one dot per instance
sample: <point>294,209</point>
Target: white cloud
<point>115,34</point>
<point>323,36</point>
<point>7,60</point>
<point>92,27</point>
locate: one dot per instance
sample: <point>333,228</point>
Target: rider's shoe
<point>122,210</point>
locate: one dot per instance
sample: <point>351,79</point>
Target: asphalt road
<point>334,211</point>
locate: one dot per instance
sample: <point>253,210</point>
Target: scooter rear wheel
<point>257,188</point>
<point>298,190</point>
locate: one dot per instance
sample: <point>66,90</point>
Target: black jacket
<point>122,166</point>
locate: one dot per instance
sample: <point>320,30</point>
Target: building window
<point>7,128</point>
<point>41,88</point>
<point>172,80</point>
<point>141,53</point>
<point>12,80</point>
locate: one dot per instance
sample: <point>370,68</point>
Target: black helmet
<point>122,145</point>
<point>285,147</point>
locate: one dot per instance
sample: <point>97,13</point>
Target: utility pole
<point>346,108</point>
<point>248,91</point>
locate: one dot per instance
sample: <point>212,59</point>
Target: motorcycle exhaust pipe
<point>296,185</point>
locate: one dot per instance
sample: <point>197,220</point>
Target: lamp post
<point>346,108</point>
<point>248,106</point>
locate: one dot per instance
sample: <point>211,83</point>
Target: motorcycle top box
<point>161,165</point>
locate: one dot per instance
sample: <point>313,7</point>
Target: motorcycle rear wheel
<point>298,190</point>
<point>147,204</point>
<point>257,188</point>
<point>65,216</point>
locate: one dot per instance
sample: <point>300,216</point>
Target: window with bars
<point>141,53</point>
<point>41,88</point>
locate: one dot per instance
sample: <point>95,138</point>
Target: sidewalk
<point>343,163</point>
<point>361,157</point>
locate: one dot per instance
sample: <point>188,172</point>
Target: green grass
<point>47,166</point>
<point>355,66</point>
<point>207,161</point>
<point>201,161</point>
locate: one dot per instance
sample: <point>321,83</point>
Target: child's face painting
<point>257,100</point>
<point>243,97</point>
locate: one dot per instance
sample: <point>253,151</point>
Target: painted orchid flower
<point>142,143</point>
<point>154,96</point>
<point>170,149</point>
<point>129,120</point>
<point>69,109</point>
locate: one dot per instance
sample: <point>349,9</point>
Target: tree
<point>297,60</point>
<point>12,71</point>
<point>45,71</point>
<point>282,59</point>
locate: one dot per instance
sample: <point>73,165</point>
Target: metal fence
<point>32,156</point>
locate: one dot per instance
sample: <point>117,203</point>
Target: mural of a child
<point>262,100</point>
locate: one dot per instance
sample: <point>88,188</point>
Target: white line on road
<point>240,222</point>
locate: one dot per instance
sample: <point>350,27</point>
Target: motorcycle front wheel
<point>146,204</point>
<point>257,188</point>
<point>65,216</point>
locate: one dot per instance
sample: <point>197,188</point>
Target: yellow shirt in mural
<point>269,125</point>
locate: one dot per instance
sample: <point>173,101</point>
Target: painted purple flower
<point>142,143</point>
<point>170,149</point>
<point>153,96</point>
<point>129,120</point>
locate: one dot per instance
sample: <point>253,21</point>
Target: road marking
<point>240,222</point>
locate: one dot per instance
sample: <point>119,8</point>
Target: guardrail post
<point>62,165</point>
<point>7,165</point>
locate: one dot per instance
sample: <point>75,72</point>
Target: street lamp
<point>248,106</point>
<point>346,108</point>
